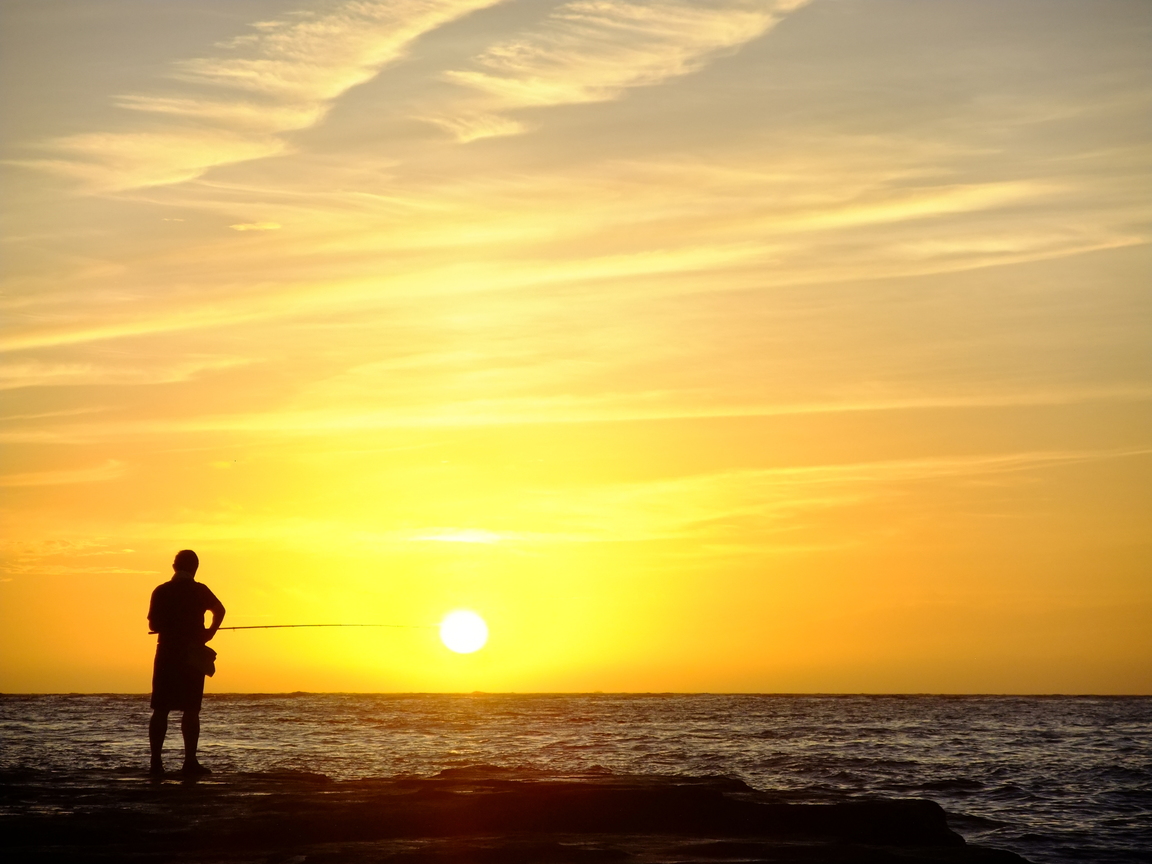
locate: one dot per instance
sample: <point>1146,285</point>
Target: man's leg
<point>190,726</point>
<point>157,729</point>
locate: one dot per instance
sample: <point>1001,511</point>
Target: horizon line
<point>889,694</point>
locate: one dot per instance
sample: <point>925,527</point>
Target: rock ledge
<point>484,815</point>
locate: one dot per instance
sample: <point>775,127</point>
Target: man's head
<point>186,561</point>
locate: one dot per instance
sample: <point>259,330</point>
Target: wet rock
<point>474,815</point>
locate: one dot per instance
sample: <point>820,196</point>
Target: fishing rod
<point>283,626</point>
<point>461,631</point>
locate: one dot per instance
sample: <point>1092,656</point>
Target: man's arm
<point>217,611</point>
<point>152,616</point>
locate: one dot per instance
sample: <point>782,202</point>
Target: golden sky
<point>784,346</point>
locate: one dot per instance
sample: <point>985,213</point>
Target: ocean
<point>1055,779</point>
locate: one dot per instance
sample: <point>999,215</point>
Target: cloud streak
<point>37,373</point>
<point>256,226</point>
<point>280,79</point>
<point>594,51</point>
<point>721,507</point>
<point>345,419</point>
<point>110,470</point>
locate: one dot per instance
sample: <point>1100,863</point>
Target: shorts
<point>176,684</point>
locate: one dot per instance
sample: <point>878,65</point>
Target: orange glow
<point>761,350</point>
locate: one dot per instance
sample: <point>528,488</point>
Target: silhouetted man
<point>182,657</point>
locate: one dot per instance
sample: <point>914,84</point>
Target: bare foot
<point>194,769</point>
<point>156,769</point>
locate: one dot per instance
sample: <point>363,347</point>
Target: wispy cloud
<point>457,535</point>
<point>594,50</point>
<point>125,160</point>
<point>614,227</point>
<point>750,507</point>
<point>279,79</point>
<point>345,419</point>
<point>35,373</point>
<point>256,226</point>
<point>110,470</point>
<point>26,557</point>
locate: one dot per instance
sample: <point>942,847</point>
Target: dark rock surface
<point>471,815</point>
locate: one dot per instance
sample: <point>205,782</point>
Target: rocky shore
<point>482,815</point>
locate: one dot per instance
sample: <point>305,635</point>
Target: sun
<point>463,632</point>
